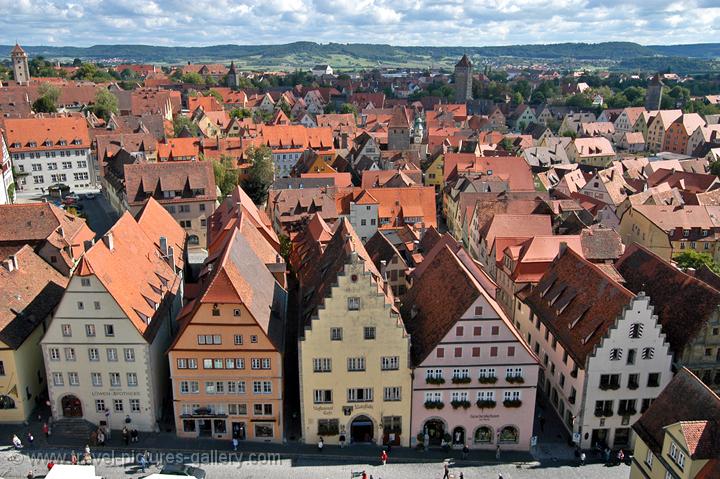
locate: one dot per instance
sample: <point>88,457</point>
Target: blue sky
<point>398,22</point>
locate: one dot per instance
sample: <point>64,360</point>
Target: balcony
<point>487,379</point>
<point>434,380</point>
<point>464,403</point>
<point>485,403</point>
<point>512,403</point>
<point>434,405</point>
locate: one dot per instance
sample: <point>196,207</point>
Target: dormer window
<point>48,143</point>
<point>63,142</point>
<point>705,232</point>
<point>686,233</point>
<point>32,144</point>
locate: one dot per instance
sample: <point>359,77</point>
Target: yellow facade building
<point>354,352</point>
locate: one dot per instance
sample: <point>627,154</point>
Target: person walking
<point>446,474</point>
<point>621,456</point>
<point>383,457</point>
<point>235,443</point>
<point>126,435</point>
<point>73,459</point>
<point>100,437</point>
<point>321,444</point>
<point>582,458</point>
<point>143,463</point>
<point>46,430</point>
<point>607,455</point>
<point>465,451</point>
<point>497,452</point>
<point>17,443</point>
<point>30,439</point>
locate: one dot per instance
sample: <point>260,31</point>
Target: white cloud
<point>404,22</point>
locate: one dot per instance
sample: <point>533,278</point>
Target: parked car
<point>90,196</point>
<point>72,196</point>
<point>182,470</point>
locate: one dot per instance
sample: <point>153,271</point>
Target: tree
<point>192,78</point>
<point>695,260</point>
<point>91,72</point>
<point>285,248</point>
<point>284,107</point>
<point>569,134</point>
<point>226,175</point>
<point>579,101</point>
<point>77,62</point>
<point>181,122</point>
<point>47,101</point>
<point>240,113</point>
<point>517,98</point>
<point>105,104</point>
<point>507,145</point>
<point>715,168</point>
<point>261,174</point>
<point>618,101</point>
<point>348,108</point>
<point>216,94</point>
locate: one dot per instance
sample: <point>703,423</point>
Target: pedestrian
<point>497,453</point>
<point>235,443</point>
<point>101,437</point>
<point>30,439</point>
<point>461,476</point>
<point>621,456</point>
<point>143,462</point>
<point>46,430</point>
<point>126,435</point>
<point>134,435</point>
<point>607,455</point>
<point>426,441</point>
<point>30,475</point>
<point>465,451</point>
<point>87,458</point>
<point>500,476</point>
<point>582,458</point>
<point>73,458</point>
<point>321,444</point>
<point>389,448</point>
<point>17,443</point>
<point>446,474</point>
<point>383,457</point>
<point>364,476</point>
<point>50,464</point>
<point>342,440</point>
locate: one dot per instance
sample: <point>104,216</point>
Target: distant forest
<point>623,55</point>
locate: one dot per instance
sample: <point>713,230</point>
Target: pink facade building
<point>475,379</point>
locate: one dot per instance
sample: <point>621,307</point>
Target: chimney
<point>61,231</point>
<point>87,244</point>
<point>383,269</point>
<point>163,246</point>
<point>278,258</point>
<point>171,258</point>
<point>563,247</point>
<point>9,265</point>
<point>109,240</point>
<point>13,260</point>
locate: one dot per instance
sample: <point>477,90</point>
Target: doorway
<point>238,430</point>
<point>205,428</point>
<point>435,430</point>
<point>361,429</point>
<point>599,437</point>
<point>71,406</point>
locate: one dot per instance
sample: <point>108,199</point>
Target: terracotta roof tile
<point>73,131</point>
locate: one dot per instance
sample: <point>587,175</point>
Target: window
<point>636,330</point>
<point>58,379</point>
<point>89,330</point>
<point>322,396</point>
<point>96,379</point>
<point>369,332</point>
<point>70,354</point>
<point>609,381</point>
<point>511,396</point>
<point>487,373</point>
<point>209,339</point>
<point>73,379</point>
<point>633,381</point>
<point>80,305</point>
<point>322,365</point>
<point>112,354</point>
<point>54,354</point>
<point>96,305</point>
<point>495,330</point>
<point>615,354</point>
<point>129,354</point>
<point>134,405</point>
<point>631,356</point>
<point>440,352</point>
<point>391,393</point>
<point>132,379</point>
<point>262,409</point>
<point>458,352</point>
<point>260,363</point>
<point>99,405</point>
<point>66,330</point>
<point>238,340</point>
<point>356,364</point>
<point>93,354</point>
<point>360,395</point>
<point>493,351</point>
<point>511,351</point>
<point>185,223</point>
<point>353,304</point>
<point>459,330</point>
<point>390,363</point>
<point>653,380</point>
<point>118,405</point>
<point>85,282</point>
<point>476,352</point>
<point>336,334</point>
<point>115,379</point>
<point>649,458</point>
<point>253,338</point>
<point>648,353</point>
<point>477,331</point>
<point>109,330</point>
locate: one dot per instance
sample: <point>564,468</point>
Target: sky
<point>397,22</point>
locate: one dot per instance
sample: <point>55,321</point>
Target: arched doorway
<point>361,429</point>
<point>193,240</point>
<point>458,435</point>
<point>435,429</point>
<point>71,406</point>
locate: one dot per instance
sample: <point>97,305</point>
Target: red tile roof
<point>21,134</point>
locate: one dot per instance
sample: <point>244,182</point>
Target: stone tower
<point>232,77</point>
<point>20,64</point>
<point>463,80</point>
<point>399,130</point>
<point>653,96</point>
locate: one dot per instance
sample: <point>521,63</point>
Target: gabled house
<point>604,354</point>
<point>474,378</point>
<point>595,151</point>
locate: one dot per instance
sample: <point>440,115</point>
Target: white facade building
<point>6,174</point>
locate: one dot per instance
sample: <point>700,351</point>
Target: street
<point>222,464</point>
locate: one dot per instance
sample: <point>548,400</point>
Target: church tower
<point>232,77</point>
<point>463,80</point>
<point>20,64</point>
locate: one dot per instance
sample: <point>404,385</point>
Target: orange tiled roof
<point>73,131</point>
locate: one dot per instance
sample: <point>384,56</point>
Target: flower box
<point>464,380</point>
<point>485,403</point>
<point>487,379</point>
<point>432,380</point>
<point>460,404</point>
<point>512,403</point>
<point>434,405</point>
<point>514,379</point>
